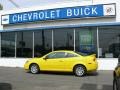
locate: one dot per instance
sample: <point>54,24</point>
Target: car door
<point>54,62</point>
<point>70,60</point>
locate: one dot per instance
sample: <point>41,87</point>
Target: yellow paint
<point>64,64</point>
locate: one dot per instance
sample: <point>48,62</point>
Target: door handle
<point>89,63</point>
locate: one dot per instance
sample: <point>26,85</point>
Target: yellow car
<point>63,61</point>
<point>116,76</point>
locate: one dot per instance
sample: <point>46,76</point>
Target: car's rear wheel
<point>34,68</point>
<point>79,70</point>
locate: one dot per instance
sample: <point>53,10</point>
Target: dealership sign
<point>61,13</point>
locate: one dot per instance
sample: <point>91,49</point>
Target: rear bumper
<point>93,67</point>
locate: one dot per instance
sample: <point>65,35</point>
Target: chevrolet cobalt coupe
<point>63,61</point>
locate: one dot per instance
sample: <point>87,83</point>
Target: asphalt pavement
<point>18,79</point>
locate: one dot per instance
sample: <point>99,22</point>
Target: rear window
<point>83,54</point>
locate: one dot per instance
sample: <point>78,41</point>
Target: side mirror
<point>45,58</point>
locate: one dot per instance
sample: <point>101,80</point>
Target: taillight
<point>94,59</point>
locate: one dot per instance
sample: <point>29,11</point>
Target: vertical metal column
<point>98,41</point>
<point>92,1</point>
<point>15,44</point>
<point>0,46</point>
<point>52,41</point>
<point>33,44</point>
<point>74,39</point>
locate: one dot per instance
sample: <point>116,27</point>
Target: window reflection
<point>109,42</point>
<point>8,44</point>
<point>86,40</point>
<point>56,55</point>
<point>24,44</point>
<point>42,42</point>
<point>64,39</point>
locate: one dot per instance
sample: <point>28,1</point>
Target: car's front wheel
<point>79,70</point>
<point>116,84</point>
<point>34,68</point>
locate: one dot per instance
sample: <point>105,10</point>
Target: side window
<point>56,55</point>
<point>71,55</point>
<point>52,55</point>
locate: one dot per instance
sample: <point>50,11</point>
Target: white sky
<point>27,3</point>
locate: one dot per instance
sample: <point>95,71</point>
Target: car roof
<point>63,51</point>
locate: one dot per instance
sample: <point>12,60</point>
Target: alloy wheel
<point>34,68</point>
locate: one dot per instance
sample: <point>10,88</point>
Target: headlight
<point>27,61</point>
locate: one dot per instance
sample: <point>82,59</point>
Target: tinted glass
<point>42,42</point>
<point>56,55</point>
<point>63,39</point>
<point>8,44</point>
<point>109,41</point>
<point>71,55</point>
<point>24,44</point>
<point>86,40</point>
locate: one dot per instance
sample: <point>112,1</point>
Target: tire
<point>34,68</point>
<point>115,84</point>
<point>79,70</point>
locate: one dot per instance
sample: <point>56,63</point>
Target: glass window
<point>86,40</point>
<point>64,39</point>
<point>42,42</point>
<point>56,55</point>
<point>24,44</point>
<point>70,55</point>
<point>109,41</point>
<point>8,44</point>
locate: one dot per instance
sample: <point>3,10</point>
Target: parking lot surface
<point>18,79</point>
